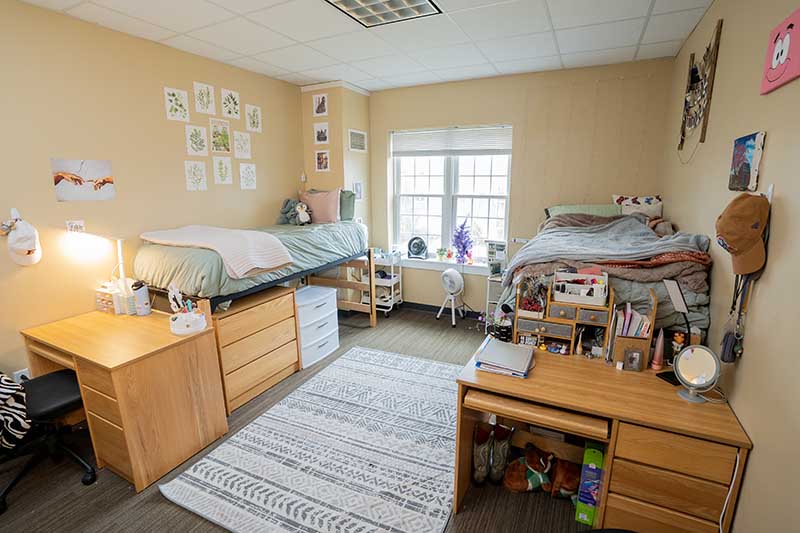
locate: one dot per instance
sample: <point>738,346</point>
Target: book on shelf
<point>631,323</point>
<point>504,358</point>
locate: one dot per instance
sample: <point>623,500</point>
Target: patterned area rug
<point>368,444</point>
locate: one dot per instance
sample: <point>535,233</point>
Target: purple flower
<point>462,241</point>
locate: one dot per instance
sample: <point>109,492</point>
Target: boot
<point>481,452</point>
<point>502,445</point>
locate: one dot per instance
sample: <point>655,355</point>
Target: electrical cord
<point>730,491</point>
<point>722,398</point>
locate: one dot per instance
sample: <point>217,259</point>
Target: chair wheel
<point>386,314</point>
<point>437,318</point>
<point>454,325</point>
<point>89,478</point>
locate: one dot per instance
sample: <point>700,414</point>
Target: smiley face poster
<point>783,60</point>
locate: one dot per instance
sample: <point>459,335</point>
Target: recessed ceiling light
<point>371,13</point>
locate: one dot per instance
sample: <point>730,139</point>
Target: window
<point>444,177</point>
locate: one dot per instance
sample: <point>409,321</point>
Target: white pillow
<point>652,206</point>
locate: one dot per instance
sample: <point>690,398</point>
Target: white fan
<point>453,284</point>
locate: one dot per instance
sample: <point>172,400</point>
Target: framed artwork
<point>700,89</point>
<point>82,180</point>
<point>320,103</point>
<point>196,140</point>
<point>195,172</point>
<point>357,140</point>
<point>780,66</point>
<point>252,115</point>
<point>223,170</point>
<point>247,176</point>
<point>321,133</point>
<point>747,153</point>
<point>230,104</point>
<point>323,160</point>
<point>220,136</point>
<point>358,190</point>
<point>204,99</point>
<point>241,145</point>
<point>176,103</point>
<point>633,359</point>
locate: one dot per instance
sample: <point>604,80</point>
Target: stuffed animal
<point>290,213</point>
<point>303,215</point>
<point>529,472</point>
<point>566,478</point>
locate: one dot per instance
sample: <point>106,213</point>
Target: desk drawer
<point>592,316</point>
<point>687,455</point>
<point>99,403</point>
<point>241,380</point>
<point>668,489</point>
<point>626,513</point>
<point>545,328</point>
<point>110,445</point>
<point>95,377</point>
<point>562,311</point>
<point>248,349</point>
<point>234,327</point>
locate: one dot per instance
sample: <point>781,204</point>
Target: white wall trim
<point>329,84</point>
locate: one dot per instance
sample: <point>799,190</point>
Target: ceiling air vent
<point>371,13</point>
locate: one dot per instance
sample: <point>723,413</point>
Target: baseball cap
<point>23,244</point>
<point>739,231</point>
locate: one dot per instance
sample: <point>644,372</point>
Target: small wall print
<point>196,140</point>
<point>781,65</point>
<point>323,160</point>
<point>247,176</point>
<point>223,170</point>
<point>253,118</point>
<point>747,153</point>
<point>195,172</point>
<point>321,133</point>
<point>241,145</point>
<point>320,102</point>
<point>358,190</point>
<point>204,99</point>
<point>82,180</point>
<point>357,140</point>
<point>230,103</point>
<point>220,136</point>
<point>176,103</point>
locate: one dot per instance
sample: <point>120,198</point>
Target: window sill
<point>477,269</point>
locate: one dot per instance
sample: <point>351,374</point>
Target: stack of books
<point>631,323</point>
<point>504,358</point>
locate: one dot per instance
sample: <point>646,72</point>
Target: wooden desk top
<point>592,387</point>
<point>111,341</point>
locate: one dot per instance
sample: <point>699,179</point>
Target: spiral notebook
<point>504,358</point>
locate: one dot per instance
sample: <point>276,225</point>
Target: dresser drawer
<point>562,311</point>
<point>319,349</point>
<point>95,377</point>
<point>627,513</point>
<point>105,406</point>
<point>545,328</point>
<point>495,290</point>
<point>110,446</point>
<point>592,316</point>
<point>672,490</point>
<point>314,303</point>
<point>687,455</point>
<point>253,373</point>
<point>245,323</point>
<point>243,351</point>
<point>315,331</point>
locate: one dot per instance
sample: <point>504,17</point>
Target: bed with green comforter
<point>200,272</point>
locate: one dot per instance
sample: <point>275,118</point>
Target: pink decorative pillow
<point>324,205</point>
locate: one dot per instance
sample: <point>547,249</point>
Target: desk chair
<point>47,398</point>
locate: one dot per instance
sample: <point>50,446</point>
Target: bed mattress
<point>200,272</point>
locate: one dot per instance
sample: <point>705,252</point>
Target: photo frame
<point>633,359</point>
<point>319,105</point>
<point>321,133</point>
<point>322,160</point>
<point>357,140</point>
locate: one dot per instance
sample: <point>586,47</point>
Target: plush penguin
<point>303,214</point>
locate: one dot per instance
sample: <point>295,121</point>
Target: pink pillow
<point>324,205</point>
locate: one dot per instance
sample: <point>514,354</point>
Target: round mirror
<point>697,368</point>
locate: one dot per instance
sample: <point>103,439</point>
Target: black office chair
<point>47,398</point>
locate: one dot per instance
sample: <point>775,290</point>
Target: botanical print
<point>204,99</point>
<point>176,102</point>
<point>358,140</point>
<point>253,117</point>
<point>321,133</point>
<point>323,160</point>
<point>195,172</point>
<point>77,180</point>
<point>230,103</point>
<point>241,145</point>
<point>320,105</point>
<point>247,176</point>
<point>220,136</point>
<point>223,170</point>
<point>196,140</point>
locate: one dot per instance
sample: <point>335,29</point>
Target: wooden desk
<point>152,399</point>
<point>669,464</point>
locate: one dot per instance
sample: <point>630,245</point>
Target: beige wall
<point>335,176</point>
<point>763,384</point>
<point>72,89</point>
<point>355,116</point>
<point>579,136</point>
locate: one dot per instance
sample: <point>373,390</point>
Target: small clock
<point>417,249</point>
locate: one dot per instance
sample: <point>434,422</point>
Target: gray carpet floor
<point>52,498</point>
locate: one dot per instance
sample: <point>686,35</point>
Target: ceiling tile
<point>524,46</point>
<point>54,4</point>
<point>201,48</point>
<point>373,84</point>
<point>459,55</point>
<point>666,6</point>
<point>467,73</point>
<point>117,21</point>
<point>417,78</point>
<point>503,20</point>
<point>388,66</point>
<point>423,33</point>
<point>295,20</point>
<point>297,79</point>
<point>178,15</point>
<point>652,51</point>
<point>337,72</point>
<point>353,46</point>
<point>600,37</point>
<point>248,63</point>
<point>246,6</point>
<point>672,26</point>
<point>600,57</point>
<point>535,64</point>
<point>296,58</point>
<point>569,13</point>
<point>454,5</point>
<point>242,36</point>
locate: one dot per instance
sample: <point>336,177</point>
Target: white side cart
<point>494,288</point>
<point>390,288</point>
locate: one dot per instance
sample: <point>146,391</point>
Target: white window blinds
<point>490,140</point>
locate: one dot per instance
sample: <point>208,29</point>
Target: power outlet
<point>19,374</point>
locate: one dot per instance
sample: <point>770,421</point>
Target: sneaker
<point>481,452</point>
<point>500,450</point>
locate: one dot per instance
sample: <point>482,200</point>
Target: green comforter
<point>200,272</point>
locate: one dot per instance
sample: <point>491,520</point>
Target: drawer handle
<point>323,304</point>
<point>322,325</point>
<point>592,317</point>
<point>323,344</point>
<point>562,313</point>
<point>543,329</point>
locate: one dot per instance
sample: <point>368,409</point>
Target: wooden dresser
<point>257,340</point>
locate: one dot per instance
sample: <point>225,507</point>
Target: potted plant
<point>441,253</point>
<point>462,241</point>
